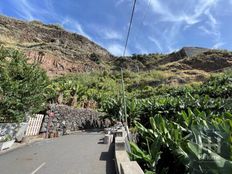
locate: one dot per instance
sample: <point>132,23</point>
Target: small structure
<point>192,51</point>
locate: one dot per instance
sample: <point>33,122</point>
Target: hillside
<point>60,52</point>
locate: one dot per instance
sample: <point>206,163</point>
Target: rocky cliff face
<point>57,51</point>
<point>60,52</point>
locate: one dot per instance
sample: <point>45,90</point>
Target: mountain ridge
<point>60,52</point>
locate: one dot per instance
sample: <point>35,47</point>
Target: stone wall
<point>13,130</point>
<point>67,119</point>
<point>9,129</point>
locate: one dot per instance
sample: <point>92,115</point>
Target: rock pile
<point>63,119</point>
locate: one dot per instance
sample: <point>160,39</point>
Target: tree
<point>22,86</point>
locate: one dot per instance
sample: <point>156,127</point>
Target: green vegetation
<point>181,129</point>
<point>48,26</point>
<point>97,87</point>
<point>22,87</point>
<point>94,57</point>
<point>187,130</point>
<point>192,144</point>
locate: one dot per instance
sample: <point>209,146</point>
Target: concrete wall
<point>123,163</point>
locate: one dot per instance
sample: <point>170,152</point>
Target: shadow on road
<point>109,158</point>
<point>101,141</point>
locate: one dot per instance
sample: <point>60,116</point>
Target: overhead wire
<point>141,24</point>
<point>144,15</point>
<point>124,115</point>
<point>129,29</point>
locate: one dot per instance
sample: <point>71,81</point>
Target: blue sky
<point>159,25</point>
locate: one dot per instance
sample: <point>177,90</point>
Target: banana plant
<point>133,110</point>
<point>195,143</point>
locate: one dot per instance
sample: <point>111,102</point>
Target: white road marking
<point>37,169</point>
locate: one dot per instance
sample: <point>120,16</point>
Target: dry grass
<point>8,40</point>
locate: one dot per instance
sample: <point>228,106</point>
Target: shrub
<point>22,86</point>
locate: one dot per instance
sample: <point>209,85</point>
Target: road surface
<point>81,153</point>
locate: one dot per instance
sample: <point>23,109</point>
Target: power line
<point>143,18</point>
<point>124,115</point>
<point>144,14</point>
<point>129,29</point>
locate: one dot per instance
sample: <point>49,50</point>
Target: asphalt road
<point>82,153</point>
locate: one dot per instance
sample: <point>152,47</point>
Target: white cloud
<point>106,32</point>
<point>141,49</point>
<point>203,6</point>
<point>212,29</point>
<point>79,29</point>
<point>212,20</point>
<point>218,45</point>
<point>29,11</point>
<point>156,42</point>
<point>171,19</point>
<point>74,26</point>
<point>120,2</point>
<point>178,16</point>
<point>24,10</point>
<point>189,17</point>
<point>117,49</point>
<point>206,30</point>
<point>111,34</point>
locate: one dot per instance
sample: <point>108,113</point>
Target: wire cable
<point>144,15</point>
<point>139,28</point>
<point>129,29</point>
<point>124,115</point>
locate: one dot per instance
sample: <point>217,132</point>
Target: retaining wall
<point>123,163</point>
<point>67,119</point>
<point>14,130</point>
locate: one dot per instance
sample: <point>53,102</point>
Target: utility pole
<point>123,99</point>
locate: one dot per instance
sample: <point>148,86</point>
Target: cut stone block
<point>131,167</point>
<point>120,143</point>
<point>108,139</point>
